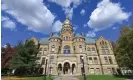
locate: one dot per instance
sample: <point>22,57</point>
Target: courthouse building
<point>63,53</point>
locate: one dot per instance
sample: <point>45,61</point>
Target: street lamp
<point>83,70</point>
<point>45,71</point>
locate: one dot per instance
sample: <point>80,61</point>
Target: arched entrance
<point>59,69</point>
<point>73,68</point>
<point>66,68</point>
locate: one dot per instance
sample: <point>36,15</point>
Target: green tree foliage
<point>25,60</point>
<point>124,48</point>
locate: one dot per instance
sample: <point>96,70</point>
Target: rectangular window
<point>45,49</point>
<point>92,71</point>
<point>52,58</point>
<point>110,60</point>
<point>81,57</point>
<point>97,70</point>
<point>90,60</point>
<point>95,60</point>
<point>106,60</point>
<point>43,61</point>
<point>109,70</point>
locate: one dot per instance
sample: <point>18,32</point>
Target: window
<point>43,61</point>
<point>51,58</point>
<point>59,48</point>
<point>113,71</point>
<point>93,49</point>
<point>110,60</point>
<point>67,49</point>
<point>45,49</point>
<point>74,48</point>
<point>53,48</point>
<point>90,60</point>
<point>97,70</point>
<point>95,60</point>
<point>109,70</point>
<point>92,71</point>
<point>40,49</point>
<point>88,49</point>
<point>80,46</point>
<point>106,60</point>
<point>81,57</point>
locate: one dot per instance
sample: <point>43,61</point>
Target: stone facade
<point>64,52</point>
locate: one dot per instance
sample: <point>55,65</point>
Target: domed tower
<point>79,43</point>
<point>67,35</point>
<point>54,43</point>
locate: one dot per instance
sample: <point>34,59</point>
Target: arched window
<point>93,49</point>
<point>88,49</point>
<point>67,49</point>
<point>52,48</point>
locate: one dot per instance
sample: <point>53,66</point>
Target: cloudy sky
<point>22,19</point>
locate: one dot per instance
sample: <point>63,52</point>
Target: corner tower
<point>67,36</point>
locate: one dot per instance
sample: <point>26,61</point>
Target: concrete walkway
<point>65,78</point>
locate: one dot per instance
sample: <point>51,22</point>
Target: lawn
<point>24,78</point>
<point>89,77</point>
<point>102,77</point>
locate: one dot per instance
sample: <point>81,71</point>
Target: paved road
<point>65,78</point>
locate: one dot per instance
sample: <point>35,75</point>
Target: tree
<point>124,48</point>
<point>7,53</point>
<point>25,60</point>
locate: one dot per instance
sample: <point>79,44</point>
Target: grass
<point>102,77</point>
<point>24,78</point>
<point>89,77</point>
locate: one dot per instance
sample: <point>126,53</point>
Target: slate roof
<point>78,35</point>
<point>90,40</point>
<point>55,35</point>
<point>43,40</point>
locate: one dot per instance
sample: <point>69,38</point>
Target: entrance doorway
<point>73,68</point>
<point>66,68</point>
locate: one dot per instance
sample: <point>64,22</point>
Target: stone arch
<point>73,68</point>
<point>67,61</point>
<point>66,68</point>
<point>59,67</point>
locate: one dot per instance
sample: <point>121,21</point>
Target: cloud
<point>7,23</point>
<point>32,13</point>
<point>75,27</point>
<point>69,12</point>
<point>90,34</point>
<point>107,14</point>
<point>57,26</point>
<point>85,25</point>
<point>82,12</point>
<point>68,5</point>
<point>114,28</point>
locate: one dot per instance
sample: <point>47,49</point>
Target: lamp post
<point>45,71</point>
<point>83,70</point>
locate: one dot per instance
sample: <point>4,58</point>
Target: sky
<point>22,19</point>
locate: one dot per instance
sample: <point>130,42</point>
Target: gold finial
<point>67,17</point>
